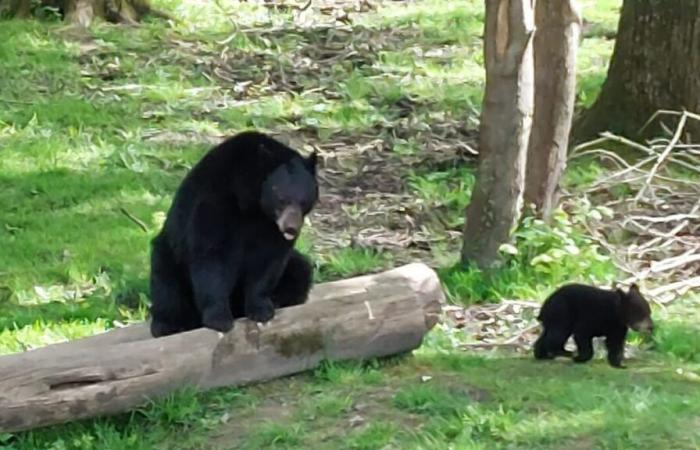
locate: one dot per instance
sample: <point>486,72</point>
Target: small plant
<point>676,331</point>
<point>430,399</point>
<point>349,262</point>
<point>541,257</point>
<point>445,194</point>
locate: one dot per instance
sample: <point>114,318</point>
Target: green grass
<point>98,129</point>
<point>471,401</point>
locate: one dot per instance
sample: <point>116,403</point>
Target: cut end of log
<point>425,282</point>
<point>359,318</point>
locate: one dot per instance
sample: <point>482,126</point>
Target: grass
<point>471,401</point>
<point>97,129</point>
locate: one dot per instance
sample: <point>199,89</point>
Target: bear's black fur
<point>226,248</point>
<point>587,312</point>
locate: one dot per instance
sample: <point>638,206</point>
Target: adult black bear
<point>587,312</point>
<point>226,249</point>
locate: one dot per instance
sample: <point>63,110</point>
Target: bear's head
<point>635,310</point>
<point>289,193</point>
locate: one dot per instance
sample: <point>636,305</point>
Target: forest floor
<point>98,127</point>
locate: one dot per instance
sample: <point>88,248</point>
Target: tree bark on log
<point>555,44</point>
<point>654,66</point>
<point>506,117</point>
<point>359,318</point>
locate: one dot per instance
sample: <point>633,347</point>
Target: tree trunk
<point>556,40</point>
<point>83,12</point>
<point>655,65</point>
<point>506,117</point>
<point>360,318</point>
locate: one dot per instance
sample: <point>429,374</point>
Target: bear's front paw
<point>261,310</point>
<point>217,319</point>
<point>218,324</point>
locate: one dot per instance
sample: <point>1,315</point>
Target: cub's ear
<point>311,161</point>
<point>622,294</point>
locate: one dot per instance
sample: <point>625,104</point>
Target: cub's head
<point>289,193</point>
<point>635,310</point>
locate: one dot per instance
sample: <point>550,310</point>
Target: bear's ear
<point>310,162</point>
<point>622,294</point>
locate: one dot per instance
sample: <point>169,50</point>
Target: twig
<point>663,155</point>
<point>492,345</point>
<point>666,112</point>
<point>229,17</point>
<point>305,7</point>
<point>676,261</point>
<point>606,153</point>
<point>681,287</point>
<point>689,166</point>
<point>636,167</point>
<point>666,219</point>
<point>18,102</point>
<point>607,136</point>
<point>522,333</point>
<point>134,219</point>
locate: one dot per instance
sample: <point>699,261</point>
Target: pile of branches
<point>655,233</point>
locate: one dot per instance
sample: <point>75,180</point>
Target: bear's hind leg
<point>214,263</point>
<point>558,342</point>
<point>294,284</point>
<point>261,278</point>
<point>584,347</point>
<point>615,345</point>
<point>213,281</point>
<point>551,344</point>
<point>172,310</point>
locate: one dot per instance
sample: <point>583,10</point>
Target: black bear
<point>226,249</point>
<point>588,312</point>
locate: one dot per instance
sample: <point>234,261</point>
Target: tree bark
<point>556,41</point>
<point>359,318</point>
<point>84,12</point>
<point>506,118</point>
<point>655,65</point>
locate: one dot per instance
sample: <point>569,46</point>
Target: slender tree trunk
<point>506,117</point>
<point>655,65</point>
<point>556,41</point>
<point>82,12</point>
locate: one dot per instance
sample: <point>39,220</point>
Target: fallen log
<point>358,318</point>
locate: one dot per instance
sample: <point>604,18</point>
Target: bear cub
<point>588,312</point>
<point>226,249</point>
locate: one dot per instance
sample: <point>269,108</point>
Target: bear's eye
<point>305,206</point>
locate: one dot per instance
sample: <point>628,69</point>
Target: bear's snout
<point>290,221</point>
<point>645,326</point>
